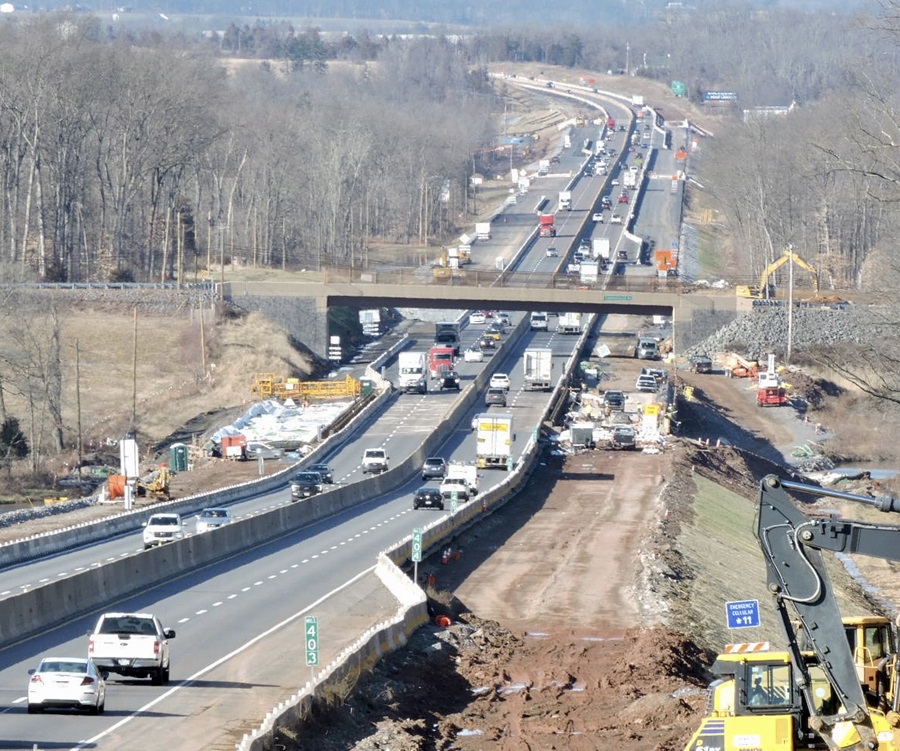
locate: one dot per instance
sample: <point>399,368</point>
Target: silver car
<point>213,518</point>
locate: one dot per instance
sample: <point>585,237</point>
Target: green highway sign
<point>417,545</point>
<point>617,297</point>
<point>311,631</point>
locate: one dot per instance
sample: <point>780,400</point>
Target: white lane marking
<point>201,612</point>
<point>203,671</point>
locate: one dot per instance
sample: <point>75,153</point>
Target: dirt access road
<point>561,603</point>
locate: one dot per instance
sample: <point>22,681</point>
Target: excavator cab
<point>871,640</point>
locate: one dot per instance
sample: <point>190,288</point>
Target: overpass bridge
<point>300,304</point>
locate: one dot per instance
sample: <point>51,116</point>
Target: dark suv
<point>434,468</point>
<point>428,498</point>
<point>324,470</point>
<point>450,380</point>
<point>305,485</point>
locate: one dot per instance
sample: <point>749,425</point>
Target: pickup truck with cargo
<point>466,473</point>
<point>537,364</point>
<point>412,378</point>
<point>493,440</point>
<point>134,645</point>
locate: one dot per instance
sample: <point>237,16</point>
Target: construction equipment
<point>836,685</point>
<point>765,288</point>
<point>771,396</point>
<point>740,367</point>
<point>155,483</point>
<point>271,386</point>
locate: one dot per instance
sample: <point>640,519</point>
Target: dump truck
<point>568,323</point>
<point>412,367</point>
<point>537,364</point>
<point>493,440</point>
<point>546,228</point>
<point>446,334</point>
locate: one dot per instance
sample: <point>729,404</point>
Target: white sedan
<point>477,318</point>
<point>474,354</point>
<point>615,181</point>
<point>500,381</point>
<point>598,217</point>
<point>66,683</point>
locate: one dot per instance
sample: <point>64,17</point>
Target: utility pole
<point>78,405</point>
<point>790,326</point>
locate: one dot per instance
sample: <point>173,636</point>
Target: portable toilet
<point>178,457</point>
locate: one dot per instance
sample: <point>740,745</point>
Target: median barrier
<point>84,592</point>
<point>352,662</point>
<point>26,549</point>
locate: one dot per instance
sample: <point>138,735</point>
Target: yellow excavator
<point>765,289</point>
<point>834,684</point>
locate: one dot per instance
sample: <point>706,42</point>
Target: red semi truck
<point>440,358</point>
<point>546,228</point>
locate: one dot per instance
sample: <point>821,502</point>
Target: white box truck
<point>569,323</point>
<point>482,230</point>
<point>565,200</point>
<point>413,368</point>
<point>600,248</point>
<point>629,179</point>
<point>537,363</point>
<point>467,473</point>
<point>493,440</point>
<point>590,270</point>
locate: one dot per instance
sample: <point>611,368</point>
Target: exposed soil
<point>578,611</point>
<point>588,634</point>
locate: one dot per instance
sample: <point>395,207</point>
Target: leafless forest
<point>148,158</point>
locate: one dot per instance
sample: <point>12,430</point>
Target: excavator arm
<point>788,256</point>
<point>791,543</point>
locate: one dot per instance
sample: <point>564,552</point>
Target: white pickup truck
<point>132,644</point>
